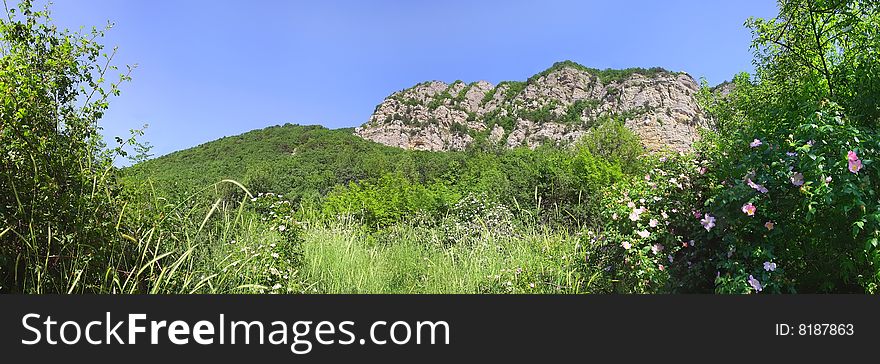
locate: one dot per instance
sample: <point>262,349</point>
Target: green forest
<point>779,195</point>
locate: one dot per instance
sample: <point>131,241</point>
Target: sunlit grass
<point>340,258</point>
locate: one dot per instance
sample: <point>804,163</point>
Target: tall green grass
<point>342,258</point>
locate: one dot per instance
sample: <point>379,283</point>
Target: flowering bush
<point>475,214</point>
<point>647,223</point>
<point>279,214</point>
<point>282,257</point>
<point>796,206</point>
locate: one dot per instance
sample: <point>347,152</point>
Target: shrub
<point>804,202</point>
<point>389,200</point>
<point>58,200</point>
<point>647,224</point>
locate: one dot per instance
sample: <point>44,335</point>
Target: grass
<point>341,258</point>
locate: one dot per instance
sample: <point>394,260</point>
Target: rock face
<point>555,106</point>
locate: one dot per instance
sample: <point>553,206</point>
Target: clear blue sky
<point>209,69</point>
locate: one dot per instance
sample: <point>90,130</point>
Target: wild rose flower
<point>828,179</point>
<point>644,233</point>
<point>749,209</point>
<point>631,205</point>
<point>755,143</point>
<point>664,215</point>
<point>852,156</point>
<point>653,223</point>
<point>855,166</point>
<point>708,222</point>
<point>769,225</point>
<point>636,214</point>
<point>797,179</point>
<point>697,214</point>
<point>755,284</point>
<point>756,186</point>
<point>647,177</point>
<point>769,266</point>
<point>660,267</point>
<point>626,245</point>
<point>703,170</point>
<point>657,248</point>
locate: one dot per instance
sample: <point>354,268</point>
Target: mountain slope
<point>557,106</point>
<point>291,159</point>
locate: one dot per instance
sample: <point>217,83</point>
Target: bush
<point>804,202</point>
<point>647,224</point>
<point>389,200</point>
<point>59,200</point>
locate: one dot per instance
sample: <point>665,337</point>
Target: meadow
<point>780,195</point>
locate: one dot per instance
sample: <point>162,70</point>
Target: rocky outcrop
<point>555,106</point>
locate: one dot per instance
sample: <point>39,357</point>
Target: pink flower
<point>626,245</point>
<point>855,166</point>
<point>756,186</point>
<point>797,179</point>
<point>661,267</point>
<point>749,209</point>
<point>703,170</point>
<point>769,225</point>
<point>697,214</point>
<point>755,143</point>
<point>769,266</point>
<point>644,233</point>
<point>828,179</point>
<point>708,222</point>
<point>653,223</point>
<point>852,156</point>
<point>755,284</point>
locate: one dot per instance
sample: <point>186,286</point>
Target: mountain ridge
<point>557,105</point>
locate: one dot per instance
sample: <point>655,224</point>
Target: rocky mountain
<point>557,106</point>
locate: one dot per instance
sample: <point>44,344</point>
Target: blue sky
<point>208,69</point>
